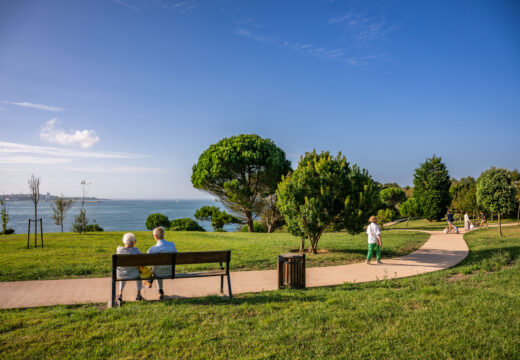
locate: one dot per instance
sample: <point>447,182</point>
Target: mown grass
<point>441,315</point>
<point>71,255</point>
<point>423,224</point>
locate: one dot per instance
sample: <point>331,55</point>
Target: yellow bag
<point>145,272</point>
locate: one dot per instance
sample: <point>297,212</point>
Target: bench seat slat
<point>201,274</point>
<point>201,257</point>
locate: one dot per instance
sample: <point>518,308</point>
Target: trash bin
<point>291,271</point>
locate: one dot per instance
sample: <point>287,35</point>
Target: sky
<point>126,94</point>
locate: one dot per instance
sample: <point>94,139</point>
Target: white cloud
<point>33,106</point>
<point>117,169</point>
<point>125,4</point>
<point>83,138</point>
<point>32,160</point>
<point>14,148</point>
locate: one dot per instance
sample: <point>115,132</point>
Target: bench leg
<point>113,298</point>
<point>221,284</point>
<point>229,286</point>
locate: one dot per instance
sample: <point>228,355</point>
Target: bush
<point>157,219</point>
<point>185,224</point>
<point>94,227</point>
<point>7,231</point>
<point>80,222</point>
<point>386,215</point>
<point>258,227</point>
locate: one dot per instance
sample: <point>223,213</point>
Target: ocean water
<point>111,215</point>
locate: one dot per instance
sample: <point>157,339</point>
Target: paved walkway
<point>440,251</point>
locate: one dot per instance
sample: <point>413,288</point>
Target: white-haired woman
<point>128,272</point>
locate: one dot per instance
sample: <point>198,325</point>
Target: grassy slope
<point>441,315</point>
<point>71,255</point>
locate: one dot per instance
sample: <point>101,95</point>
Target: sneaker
<point>161,294</point>
<point>379,262</point>
<point>368,262</point>
<point>139,298</point>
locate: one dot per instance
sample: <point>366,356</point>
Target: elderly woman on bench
<point>128,272</point>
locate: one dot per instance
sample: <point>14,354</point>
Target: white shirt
<point>162,246</point>
<point>373,232</point>
<point>466,217</point>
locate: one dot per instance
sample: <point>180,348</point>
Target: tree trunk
<point>61,223</point>
<point>518,215</point>
<point>302,244</point>
<point>35,225</point>
<point>499,223</point>
<point>407,221</point>
<point>492,216</point>
<point>249,218</point>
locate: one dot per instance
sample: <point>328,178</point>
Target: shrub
<point>185,224</point>
<point>94,227</point>
<point>157,219</point>
<point>7,231</point>
<point>257,226</point>
<point>80,222</point>
<point>385,215</point>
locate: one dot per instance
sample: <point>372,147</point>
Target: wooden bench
<point>173,259</point>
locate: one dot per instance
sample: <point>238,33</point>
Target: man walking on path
<point>374,240</point>
<point>162,246</point>
<point>449,217</point>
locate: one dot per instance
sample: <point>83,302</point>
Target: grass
<point>449,314</point>
<point>71,255</point>
<point>423,224</point>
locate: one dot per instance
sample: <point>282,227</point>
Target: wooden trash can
<point>291,271</point>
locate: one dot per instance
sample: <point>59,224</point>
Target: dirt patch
<point>320,251</point>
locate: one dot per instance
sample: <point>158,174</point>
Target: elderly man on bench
<point>161,246</point>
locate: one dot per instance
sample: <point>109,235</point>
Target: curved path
<point>440,251</point>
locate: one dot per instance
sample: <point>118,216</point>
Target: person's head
<point>449,211</point>
<point>158,233</point>
<point>372,219</point>
<point>129,240</point>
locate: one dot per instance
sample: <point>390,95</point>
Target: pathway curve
<point>440,251</point>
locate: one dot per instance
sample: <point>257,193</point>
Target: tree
<point>217,217</point>
<point>157,219</point>
<point>59,208</point>
<point>185,224</point>
<point>409,209</point>
<point>80,222</point>
<point>432,188</point>
<point>324,191</point>
<point>4,214</point>
<point>34,187</point>
<point>241,171</point>
<point>464,195</point>
<point>515,177</point>
<point>392,196</point>
<point>271,217</point>
<point>496,192</point>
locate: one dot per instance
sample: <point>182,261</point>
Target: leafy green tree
<point>185,224</point>
<point>4,214</point>
<point>80,222</point>
<point>392,196</point>
<point>59,209</point>
<point>432,188</point>
<point>157,219</point>
<point>409,208</point>
<point>515,177</point>
<point>241,171</point>
<point>258,226</point>
<point>386,215</point>
<point>464,195</point>
<point>324,191</point>
<point>217,217</point>
<point>271,218</point>
<point>496,192</point>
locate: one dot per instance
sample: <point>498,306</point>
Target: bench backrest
<point>183,258</point>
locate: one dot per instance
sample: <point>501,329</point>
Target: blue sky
<point>128,93</point>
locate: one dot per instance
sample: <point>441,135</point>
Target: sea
<point>111,215</point>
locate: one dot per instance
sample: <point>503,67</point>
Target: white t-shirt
<point>373,232</point>
<point>466,217</point>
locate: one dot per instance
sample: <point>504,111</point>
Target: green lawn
<point>71,255</point>
<point>471,311</point>
<point>423,224</point>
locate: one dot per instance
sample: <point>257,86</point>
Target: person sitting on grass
<point>128,272</point>
<point>161,246</point>
<point>374,240</point>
